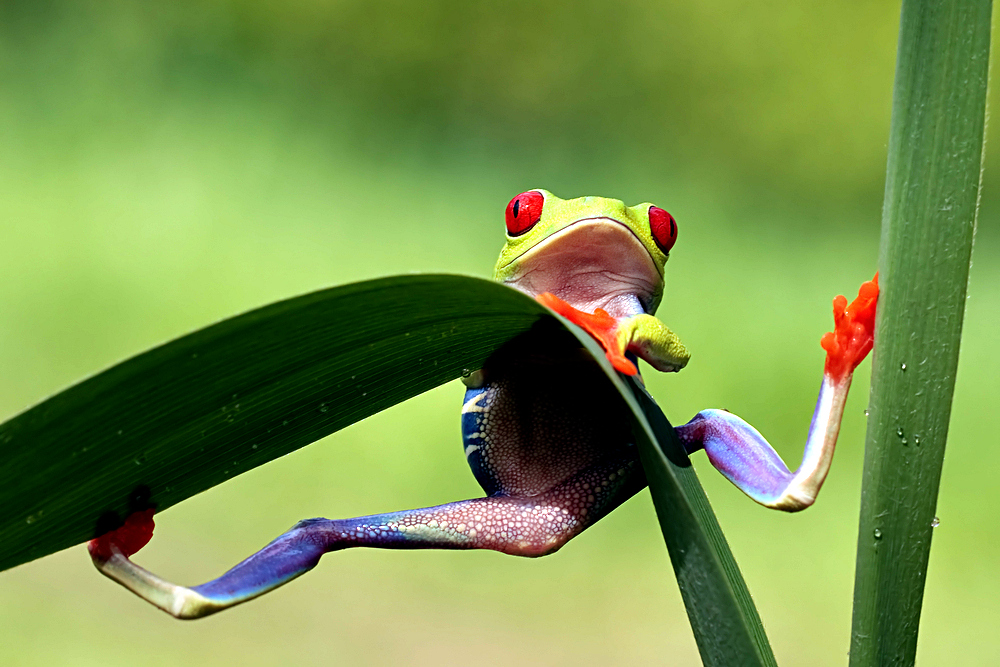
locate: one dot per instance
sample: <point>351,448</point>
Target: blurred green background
<point>165,165</point>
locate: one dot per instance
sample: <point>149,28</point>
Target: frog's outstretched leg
<point>742,454</point>
<point>521,526</point>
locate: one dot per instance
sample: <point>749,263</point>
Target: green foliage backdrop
<point>163,166</point>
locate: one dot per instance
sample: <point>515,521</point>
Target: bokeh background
<point>166,165</point>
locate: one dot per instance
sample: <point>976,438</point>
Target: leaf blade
<point>725,622</point>
<point>257,385</point>
<point>250,388</point>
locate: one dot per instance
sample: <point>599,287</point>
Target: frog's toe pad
<point>854,331</point>
<point>133,535</point>
<point>601,326</point>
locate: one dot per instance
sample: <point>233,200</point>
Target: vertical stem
<point>928,223</point>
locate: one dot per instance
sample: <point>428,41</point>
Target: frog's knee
<point>536,548</point>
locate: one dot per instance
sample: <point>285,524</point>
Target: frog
<point>545,434</point>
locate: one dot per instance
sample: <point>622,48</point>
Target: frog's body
<point>546,436</point>
<point>563,448</point>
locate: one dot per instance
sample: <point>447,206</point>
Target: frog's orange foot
<point>854,332</point>
<point>600,325</point>
<point>133,535</point>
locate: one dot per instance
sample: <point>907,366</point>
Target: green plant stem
<point>931,198</point>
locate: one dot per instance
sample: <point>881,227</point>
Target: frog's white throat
<point>592,263</point>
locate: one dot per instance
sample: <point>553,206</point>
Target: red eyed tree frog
<point>552,457</point>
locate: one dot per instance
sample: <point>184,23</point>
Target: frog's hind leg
<point>742,454</point>
<point>523,526</point>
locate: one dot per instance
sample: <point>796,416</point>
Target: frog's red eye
<point>664,228</point>
<point>523,212</point>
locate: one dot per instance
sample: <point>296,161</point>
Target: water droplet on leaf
<point>935,522</point>
<point>878,533</point>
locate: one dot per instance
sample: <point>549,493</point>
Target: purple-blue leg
<point>525,526</point>
<point>746,459</point>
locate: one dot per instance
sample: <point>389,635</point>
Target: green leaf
<point>183,417</point>
<point>726,624</point>
<point>186,416</point>
<point>727,628</point>
<point>931,196</point>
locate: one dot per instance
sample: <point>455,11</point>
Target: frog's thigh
<point>739,452</point>
<point>514,524</point>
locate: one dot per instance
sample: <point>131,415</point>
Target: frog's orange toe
<point>621,363</point>
<point>854,331</point>
<point>601,326</point>
<point>133,535</point>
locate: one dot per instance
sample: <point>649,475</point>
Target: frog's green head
<point>591,251</point>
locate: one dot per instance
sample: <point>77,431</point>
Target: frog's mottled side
<point>546,435</point>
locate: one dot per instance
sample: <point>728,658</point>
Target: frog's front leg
<point>641,334</point>
<point>654,342</point>
<point>522,526</point>
<point>742,454</point>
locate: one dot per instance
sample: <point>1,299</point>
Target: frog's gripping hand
<point>642,335</point>
<point>740,453</point>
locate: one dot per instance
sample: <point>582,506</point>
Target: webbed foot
<point>854,332</point>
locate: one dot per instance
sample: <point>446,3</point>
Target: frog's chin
<point>593,263</point>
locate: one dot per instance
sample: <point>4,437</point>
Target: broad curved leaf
<point>183,417</point>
